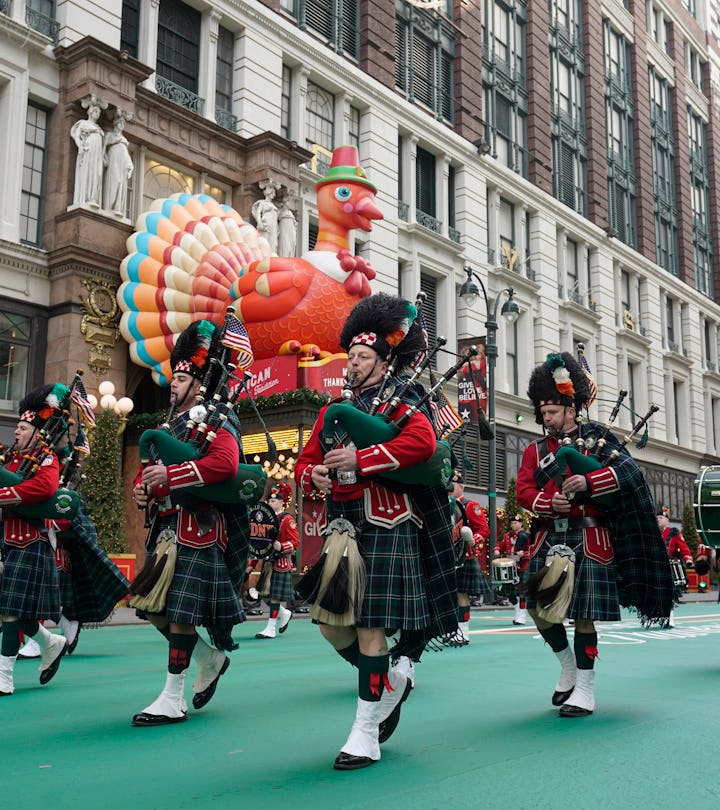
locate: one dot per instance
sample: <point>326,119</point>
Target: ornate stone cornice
<point>24,259</point>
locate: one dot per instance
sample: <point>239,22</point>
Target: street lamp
<point>470,292</point>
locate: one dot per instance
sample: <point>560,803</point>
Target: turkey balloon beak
<point>366,211</point>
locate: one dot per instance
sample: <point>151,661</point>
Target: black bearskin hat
<point>192,349</point>
<point>558,381</point>
<point>37,406</point>
<point>386,323</point>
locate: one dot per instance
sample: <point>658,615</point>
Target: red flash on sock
<point>591,651</point>
<point>466,615</point>
<point>376,679</point>
<point>179,658</point>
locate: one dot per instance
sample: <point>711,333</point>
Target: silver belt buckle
<point>561,524</point>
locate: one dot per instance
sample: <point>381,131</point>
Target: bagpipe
<point>366,428</point>
<point>64,504</point>
<point>212,412</point>
<point>587,454</point>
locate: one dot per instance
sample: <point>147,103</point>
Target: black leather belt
<point>566,524</point>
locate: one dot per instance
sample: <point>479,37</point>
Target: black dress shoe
<point>143,719</point>
<point>262,635</point>
<point>387,726</point>
<point>285,626</point>
<point>203,698</point>
<point>559,698</point>
<point>350,762</point>
<point>49,672</point>
<point>573,711</point>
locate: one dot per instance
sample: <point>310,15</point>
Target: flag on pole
<point>447,419</point>
<point>591,380</point>
<point>81,443</point>
<point>236,338</point>
<point>79,398</point>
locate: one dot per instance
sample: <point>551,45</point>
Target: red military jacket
<point>676,545</point>
<point>219,464</point>
<point>597,540</point>
<point>481,531</point>
<point>507,548</point>
<point>289,540</point>
<point>40,486</point>
<point>413,445</point>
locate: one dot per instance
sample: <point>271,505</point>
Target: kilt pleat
<point>280,587</point>
<point>471,580</point>
<point>395,592</point>
<point>29,585</point>
<point>595,593</point>
<point>201,592</point>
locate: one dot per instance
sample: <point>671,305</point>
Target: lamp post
<point>470,292</point>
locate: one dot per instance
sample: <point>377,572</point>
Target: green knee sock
<point>372,675</point>
<point>10,639</point>
<point>181,649</point>
<point>556,637</point>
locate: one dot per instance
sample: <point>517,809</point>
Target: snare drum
<point>503,571</point>
<point>678,574</point>
<point>706,504</point>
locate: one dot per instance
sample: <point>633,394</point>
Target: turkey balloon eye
<point>343,193</point>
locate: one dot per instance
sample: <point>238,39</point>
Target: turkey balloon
<point>191,257</point>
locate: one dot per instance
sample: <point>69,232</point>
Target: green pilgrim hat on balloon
<point>345,165</point>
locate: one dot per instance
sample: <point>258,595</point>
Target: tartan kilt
<point>281,589</point>
<point>29,583</point>
<point>470,578</point>
<point>595,594</point>
<point>201,592</point>
<point>395,591</point>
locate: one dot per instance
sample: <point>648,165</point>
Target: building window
<point>286,102</point>
<point>425,190</point>
<point>428,285</point>
<point>33,177</point>
<point>700,196</point>
<point>130,27</point>
<point>224,70</point>
<point>694,66</point>
<point>424,54</point>
<point>657,26</point>
<point>504,84</point>
<point>320,125</point>
<point>568,116</point>
<point>40,16</point>
<point>335,21</point>
<point>15,342</point>
<point>622,184</point>
<point>178,54</point>
<point>662,142</point>
<point>354,127</point>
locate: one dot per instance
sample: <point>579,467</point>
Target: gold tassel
<point>555,594</point>
<point>343,562</point>
<point>163,558</point>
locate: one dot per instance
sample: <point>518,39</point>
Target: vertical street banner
<point>472,380</point>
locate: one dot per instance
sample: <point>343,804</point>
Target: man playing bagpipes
<point>376,570</point>
<point>198,589</point>
<point>284,545</point>
<point>677,549</point>
<point>595,541</point>
<point>514,545</point>
<point>471,548</point>
<point>29,589</point>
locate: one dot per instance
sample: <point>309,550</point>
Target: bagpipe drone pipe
<point>590,452</point>
<point>368,428</point>
<point>64,504</point>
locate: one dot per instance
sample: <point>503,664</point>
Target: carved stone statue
<point>118,166</point>
<point>287,230</point>
<point>265,213</point>
<point>88,137</point>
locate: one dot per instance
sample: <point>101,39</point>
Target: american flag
<point>591,380</point>
<point>446,417</point>
<point>81,443</point>
<point>79,398</point>
<point>236,337</point>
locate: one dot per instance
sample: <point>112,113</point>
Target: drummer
<point>582,536</point>
<point>471,579</point>
<point>678,551</point>
<point>514,545</point>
